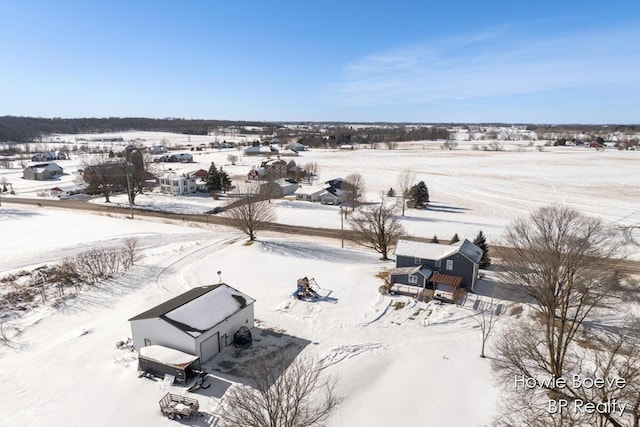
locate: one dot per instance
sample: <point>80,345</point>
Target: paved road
<point>626,266</point>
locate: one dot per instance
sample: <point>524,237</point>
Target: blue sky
<point>416,61</point>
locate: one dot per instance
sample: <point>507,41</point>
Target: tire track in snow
<point>190,255</point>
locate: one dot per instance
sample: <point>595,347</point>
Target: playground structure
<point>305,289</point>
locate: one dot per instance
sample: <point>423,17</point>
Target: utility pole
<point>341,227</point>
<point>126,166</point>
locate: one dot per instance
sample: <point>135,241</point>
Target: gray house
<point>201,321</point>
<point>442,268</point>
<point>42,172</point>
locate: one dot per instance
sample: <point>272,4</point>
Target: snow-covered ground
<point>470,190</point>
<point>410,365</point>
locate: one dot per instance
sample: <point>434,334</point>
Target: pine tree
<point>454,239</point>
<point>419,195</point>
<point>225,181</point>
<point>435,239</point>
<point>481,242</point>
<point>391,192</point>
<point>213,179</point>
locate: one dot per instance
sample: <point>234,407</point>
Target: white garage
<point>201,321</point>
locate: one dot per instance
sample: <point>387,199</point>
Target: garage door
<point>210,347</point>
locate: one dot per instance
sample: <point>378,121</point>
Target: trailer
<point>175,406</point>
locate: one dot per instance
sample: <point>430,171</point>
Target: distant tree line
<point>30,129</point>
<point>341,135</point>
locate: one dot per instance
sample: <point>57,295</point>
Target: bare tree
<point>565,263</point>
<point>449,145</point>
<point>252,212</point>
<point>232,158</point>
<point>405,182</point>
<point>296,395</point>
<point>391,145</point>
<point>310,172</point>
<point>353,189</point>
<point>486,318</point>
<point>377,226</point>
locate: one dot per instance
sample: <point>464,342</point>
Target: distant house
<point>273,169</point>
<point>177,184</point>
<point>297,147</point>
<point>158,149</point>
<point>279,188</point>
<point>201,321</point>
<point>182,158</point>
<point>42,171</point>
<point>200,173</point>
<point>268,150</point>
<point>325,194</point>
<point>66,190</point>
<point>438,267</point>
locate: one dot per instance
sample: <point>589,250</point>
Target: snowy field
<point>411,365</point>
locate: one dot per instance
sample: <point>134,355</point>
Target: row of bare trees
<point>95,265</point>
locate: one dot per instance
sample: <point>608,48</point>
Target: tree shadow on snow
<point>440,207</point>
<point>309,250</point>
<point>500,290</point>
<point>16,213</point>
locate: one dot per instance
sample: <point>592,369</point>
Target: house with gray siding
<point>201,321</point>
<point>437,266</point>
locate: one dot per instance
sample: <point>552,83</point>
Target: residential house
<point>325,194</point>
<point>42,171</point>
<point>158,149</point>
<point>438,267</point>
<point>265,150</point>
<point>177,184</point>
<point>297,147</point>
<point>279,188</point>
<point>182,158</point>
<point>201,321</point>
<point>273,169</point>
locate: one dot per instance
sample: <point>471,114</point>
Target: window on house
<point>437,263</point>
<point>147,342</point>
<point>413,278</point>
<point>449,264</point>
<point>417,261</point>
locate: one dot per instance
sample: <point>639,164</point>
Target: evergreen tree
<point>419,195</point>
<point>213,179</point>
<point>481,242</point>
<point>435,239</point>
<point>225,181</point>
<point>391,192</point>
<point>454,239</point>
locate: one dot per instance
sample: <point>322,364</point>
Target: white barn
<point>201,321</point>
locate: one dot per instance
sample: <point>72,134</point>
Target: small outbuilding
<point>200,322</point>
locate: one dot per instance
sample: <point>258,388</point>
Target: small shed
<point>159,361</point>
<point>202,321</point>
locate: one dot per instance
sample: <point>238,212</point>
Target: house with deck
<point>443,269</point>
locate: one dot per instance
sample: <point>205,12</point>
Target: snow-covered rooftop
<point>167,356</point>
<point>207,310</point>
<point>424,250</point>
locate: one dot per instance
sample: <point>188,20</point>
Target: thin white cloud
<point>491,64</point>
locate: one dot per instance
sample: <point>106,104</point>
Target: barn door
<point>210,347</point>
